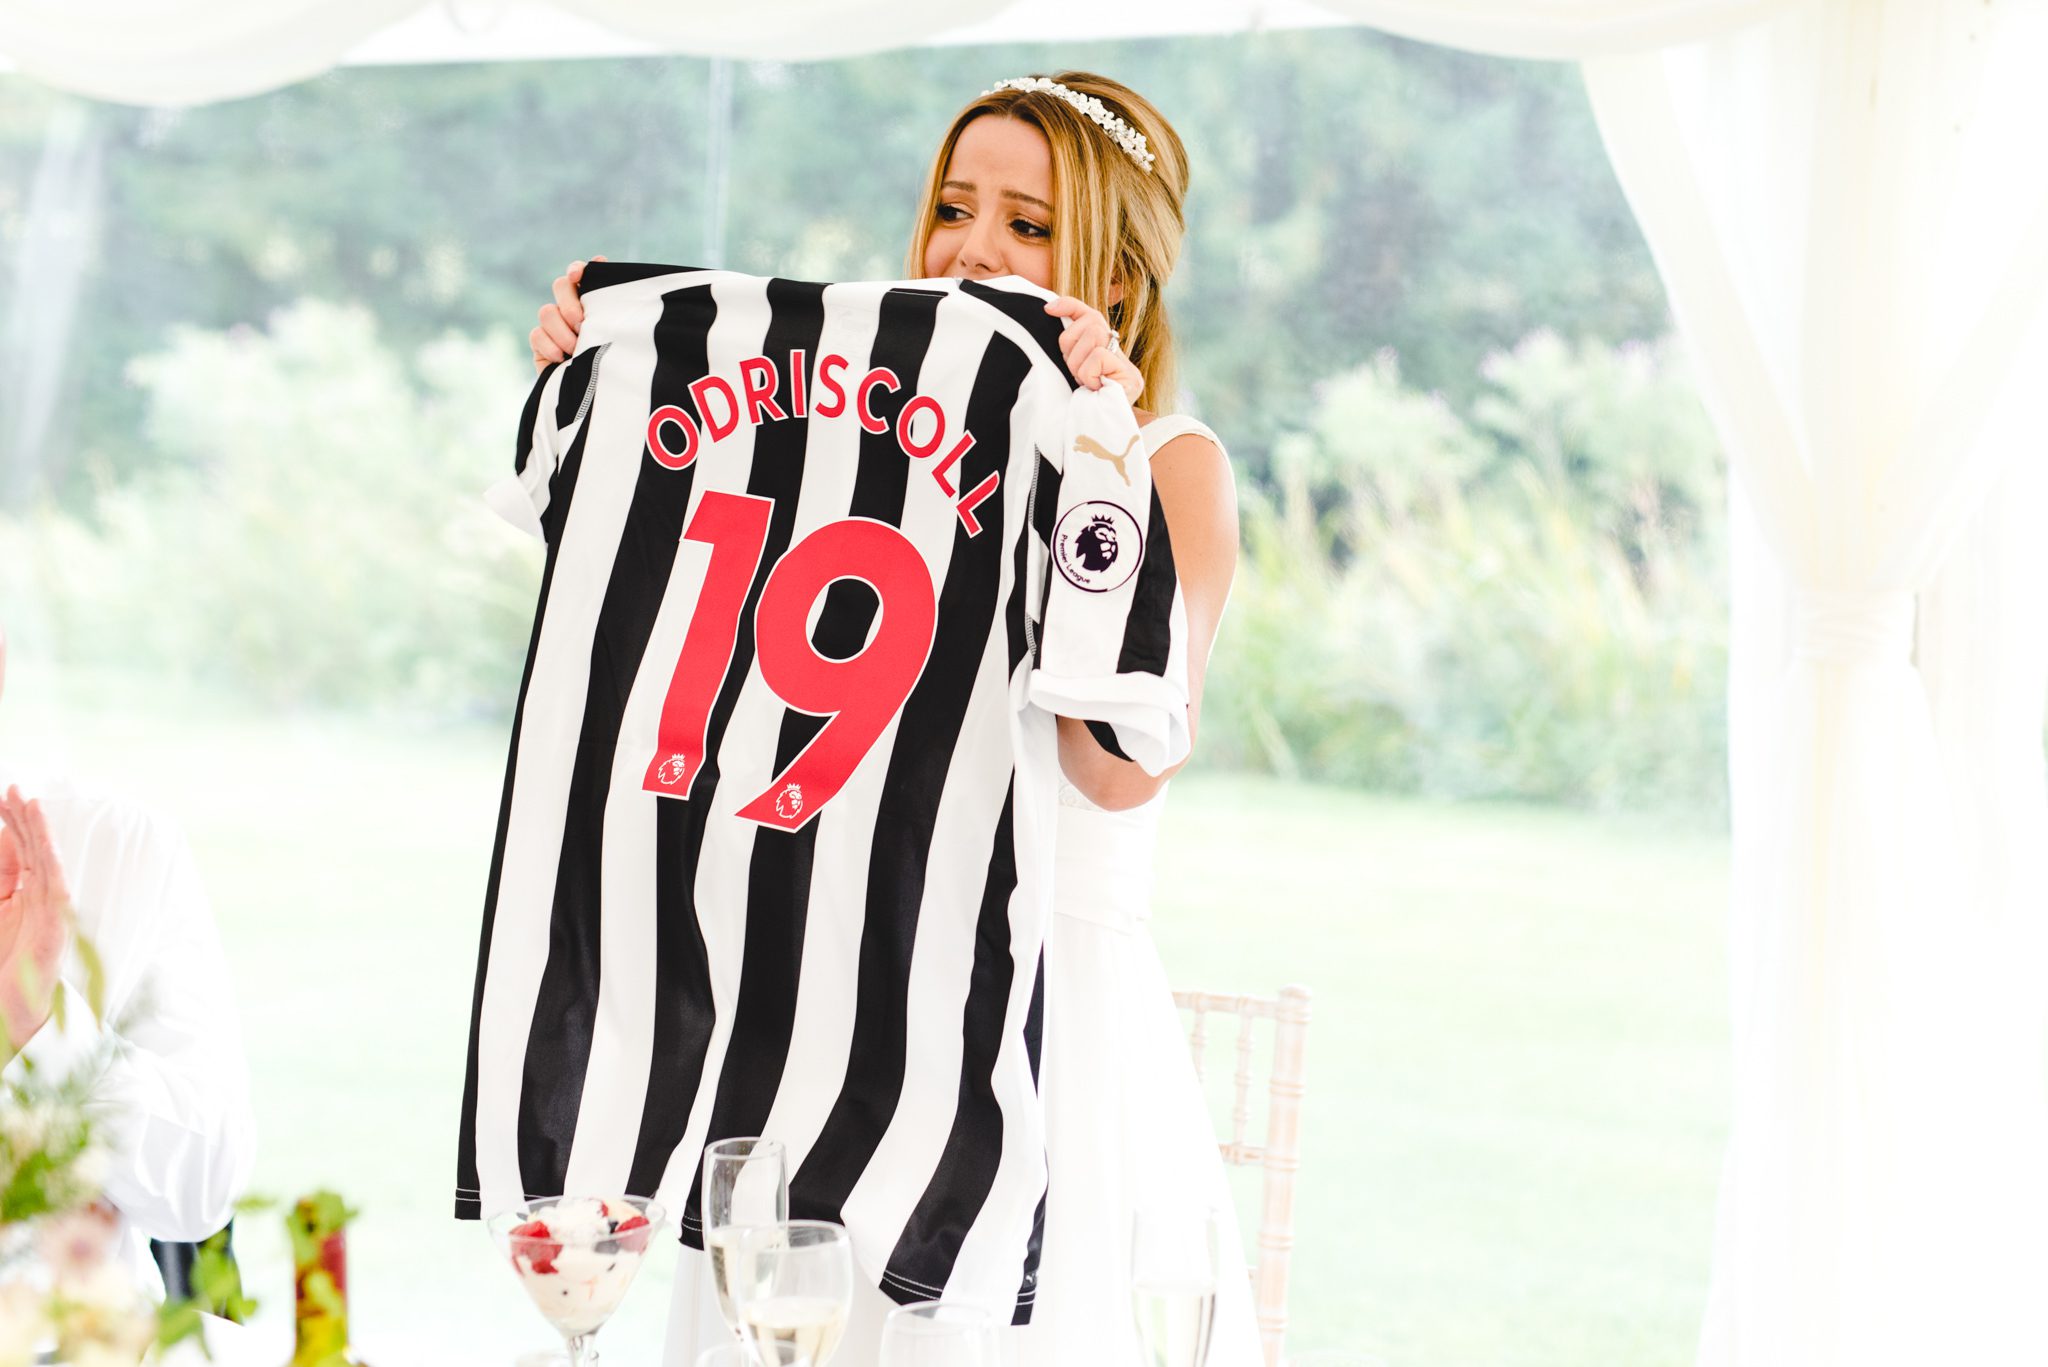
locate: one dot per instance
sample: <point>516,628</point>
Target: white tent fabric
<point>181,52</point>
<point>1842,198</point>
<point>178,52</point>
<point>1854,235</point>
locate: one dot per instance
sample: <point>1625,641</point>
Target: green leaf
<point>95,968</point>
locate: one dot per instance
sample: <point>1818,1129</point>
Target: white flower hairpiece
<point>1127,137</point>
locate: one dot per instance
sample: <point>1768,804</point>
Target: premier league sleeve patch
<point>1098,546</point>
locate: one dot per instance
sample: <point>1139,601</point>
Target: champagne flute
<point>743,1355</point>
<point>793,1283</point>
<point>938,1334</point>
<point>1173,1283</point>
<point>746,1182</point>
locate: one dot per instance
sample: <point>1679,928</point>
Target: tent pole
<point>717,161</point>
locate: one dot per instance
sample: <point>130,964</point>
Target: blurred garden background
<point>1462,760</point>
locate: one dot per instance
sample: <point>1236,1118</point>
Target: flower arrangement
<point>61,1287</point>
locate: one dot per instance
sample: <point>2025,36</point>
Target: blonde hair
<point>1111,217</point>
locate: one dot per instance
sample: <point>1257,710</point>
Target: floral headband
<point>1127,137</point>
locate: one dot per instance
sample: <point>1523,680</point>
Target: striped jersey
<point>774,852</point>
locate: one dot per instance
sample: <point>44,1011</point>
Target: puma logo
<point>1101,452</point>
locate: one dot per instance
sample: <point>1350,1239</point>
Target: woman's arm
<point>1199,500</point>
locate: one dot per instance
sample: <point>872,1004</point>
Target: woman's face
<point>995,205</point>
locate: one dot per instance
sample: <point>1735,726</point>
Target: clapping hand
<point>35,917</point>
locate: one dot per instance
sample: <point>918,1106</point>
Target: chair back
<point>1279,1152</point>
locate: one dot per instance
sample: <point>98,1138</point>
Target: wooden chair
<point>1280,1154</point>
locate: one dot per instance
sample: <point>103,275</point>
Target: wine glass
<point>743,1355</point>
<point>792,1283</point>
<point>939,1334</point>
<point>746,1182</point>
<point>576,1255</point>
<point>1173,1283</point>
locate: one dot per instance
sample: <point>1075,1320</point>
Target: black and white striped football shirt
<point>775,846</point>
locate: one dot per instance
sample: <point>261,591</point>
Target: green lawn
<point>1517,1069</point>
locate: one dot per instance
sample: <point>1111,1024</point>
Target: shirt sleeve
<point>1113,639</point>
<point>555,407</point>
<point>171,1102</point>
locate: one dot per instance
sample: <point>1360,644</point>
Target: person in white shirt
<point>170,1102</point>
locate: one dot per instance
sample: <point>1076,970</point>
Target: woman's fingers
<point>561,319</point>
<point>13,842</point>
<point>567,300</point>
<point>36,875</point>
<point>1082,316</point>
<point>545,352</point>
<point>557,328</point>
<point>49,871</point>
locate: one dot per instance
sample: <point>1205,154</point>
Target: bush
<point>1530,604</point>
<point>1525,600</point>
<point>309,529</point>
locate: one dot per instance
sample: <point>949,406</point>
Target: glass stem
<point>583,1351</point>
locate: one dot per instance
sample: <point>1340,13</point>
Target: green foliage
<point>47,1158</point>
<point>271,491</point>
<point>1524,599</point>
<point>316,533</point>
<point>1528,603</point>
<point>1350,191</point>
<point>313,1219</point>
<point>216,1285</point>
<point>42,1142</point>
<point>217,1290</point>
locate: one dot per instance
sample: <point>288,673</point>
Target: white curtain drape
<point>183,52</point>
<point>1850,212</point>
<point>1849,207</point>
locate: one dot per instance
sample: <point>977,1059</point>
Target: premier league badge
<point>1097,546</point>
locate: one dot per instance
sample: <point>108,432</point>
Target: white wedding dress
<point>1126,1123</point>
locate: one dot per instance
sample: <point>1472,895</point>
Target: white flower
<point>24,1323</point>
<point>102,1319</point>
<point>92,1166</point>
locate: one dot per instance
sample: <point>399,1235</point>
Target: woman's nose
<point>982,248</point>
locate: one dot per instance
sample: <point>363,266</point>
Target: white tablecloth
<point>232,1345</point>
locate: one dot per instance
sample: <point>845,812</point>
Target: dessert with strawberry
<point>576,1255</point>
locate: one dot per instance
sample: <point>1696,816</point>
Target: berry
<point>633,1234</point>
<point>533,1240</point>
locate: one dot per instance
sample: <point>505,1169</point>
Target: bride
<point>1050,180</point>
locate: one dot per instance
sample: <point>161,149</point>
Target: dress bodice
<point>1102,863</point>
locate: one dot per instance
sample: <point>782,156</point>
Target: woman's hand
<point>555,338</point>
<point>34,919</point>
<point>1086,343</point>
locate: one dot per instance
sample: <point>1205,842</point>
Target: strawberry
<point>637,1243</point>
<point>532,1239</point>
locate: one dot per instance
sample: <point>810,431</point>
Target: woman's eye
<point>1029,229</point>
<point>946,209</point>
